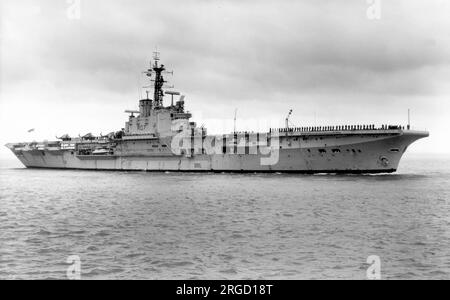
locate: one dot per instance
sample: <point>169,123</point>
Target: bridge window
<point>395,150</point>
<point>322,151</point>
<point>336,150</point>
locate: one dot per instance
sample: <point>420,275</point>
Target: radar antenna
<point>172,93</point>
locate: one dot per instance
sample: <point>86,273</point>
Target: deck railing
<point>338,128</point>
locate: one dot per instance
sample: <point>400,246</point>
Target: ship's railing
<point>52,146</point>
<point>67,144</point>
<point>338,128</point>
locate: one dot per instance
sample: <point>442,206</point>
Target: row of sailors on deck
<point>334,128</point>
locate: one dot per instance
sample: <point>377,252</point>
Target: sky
<point>74,66</point>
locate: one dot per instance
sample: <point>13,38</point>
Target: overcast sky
<point>65,70</point>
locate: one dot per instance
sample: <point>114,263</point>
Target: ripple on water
<point>219,226</point>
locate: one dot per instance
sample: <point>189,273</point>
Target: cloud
<point>253,54</point>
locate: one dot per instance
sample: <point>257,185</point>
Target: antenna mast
<point>235,116</point>
<point>159,81</point>
<point>409,119</point>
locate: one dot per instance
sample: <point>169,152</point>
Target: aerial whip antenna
<point>287,119</point>
<point>235,116</point>
<point>409,119</point>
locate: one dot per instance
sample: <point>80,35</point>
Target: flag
<point>31,130</point>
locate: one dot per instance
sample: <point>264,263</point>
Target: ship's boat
<point>101,151</point>
<point>162,138</point>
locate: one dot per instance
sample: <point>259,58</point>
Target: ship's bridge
<point>153,118</point>
<point>158,121</point>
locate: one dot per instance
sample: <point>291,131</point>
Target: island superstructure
<point>162,138</point>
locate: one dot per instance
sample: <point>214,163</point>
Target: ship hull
<point>329,154</point>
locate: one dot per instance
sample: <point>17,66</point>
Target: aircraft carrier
<point>162,138</point>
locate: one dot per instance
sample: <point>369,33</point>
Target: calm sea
<point>138,225</point>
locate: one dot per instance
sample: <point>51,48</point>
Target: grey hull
<point>374,153</point>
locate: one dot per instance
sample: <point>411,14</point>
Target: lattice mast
<point>159,81</point>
